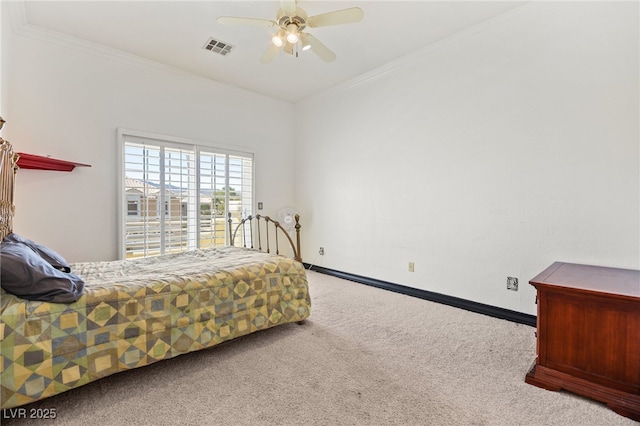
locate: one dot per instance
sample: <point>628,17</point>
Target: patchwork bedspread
<point>137,312</point>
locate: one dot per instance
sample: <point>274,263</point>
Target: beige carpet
<point>365,357</point>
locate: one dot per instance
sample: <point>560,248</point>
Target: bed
<point>132,313</point>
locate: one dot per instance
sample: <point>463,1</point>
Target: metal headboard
<point>8,169</point>
<point>250,231</point>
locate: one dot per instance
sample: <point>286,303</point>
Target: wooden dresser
<point>588,336</point>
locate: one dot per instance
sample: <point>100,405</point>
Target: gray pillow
<point>46,253</point>
<point>26,274</point>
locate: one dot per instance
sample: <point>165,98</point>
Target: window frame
<point>128,135</point>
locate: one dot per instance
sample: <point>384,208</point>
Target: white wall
<point>491,154</point>
<point>63,99</point>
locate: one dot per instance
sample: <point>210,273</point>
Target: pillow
<point>26,274</point>
<point>46,253</point>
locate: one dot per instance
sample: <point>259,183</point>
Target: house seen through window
<point>177,196</point>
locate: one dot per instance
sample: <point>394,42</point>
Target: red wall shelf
<point>37,162</point>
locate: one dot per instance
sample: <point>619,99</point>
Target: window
<point>132,208</point>
<point>176,195</point>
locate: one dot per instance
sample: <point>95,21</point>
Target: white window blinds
<point>176,196</point>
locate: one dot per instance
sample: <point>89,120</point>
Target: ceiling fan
<point>291,21</point>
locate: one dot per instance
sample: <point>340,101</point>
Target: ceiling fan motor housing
<point>283,19</point>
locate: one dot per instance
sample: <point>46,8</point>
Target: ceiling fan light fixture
<point>278,38</point>
<point>304,40</point>
<point>292,33</point>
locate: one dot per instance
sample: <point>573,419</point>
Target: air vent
<point>218,46</point>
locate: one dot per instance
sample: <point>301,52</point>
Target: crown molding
<point>21,27</point>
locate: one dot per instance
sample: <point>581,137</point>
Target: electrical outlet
<point>321,251</point>
<point>411,267</point>
<point>512,283</point>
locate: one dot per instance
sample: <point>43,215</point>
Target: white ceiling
<point>175,32</point>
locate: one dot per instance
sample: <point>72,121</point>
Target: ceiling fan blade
<point>271,53</point>
<point>338,17</point>
<point>320,49</point>
<point>288,6</point>
<point>254,22</point>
